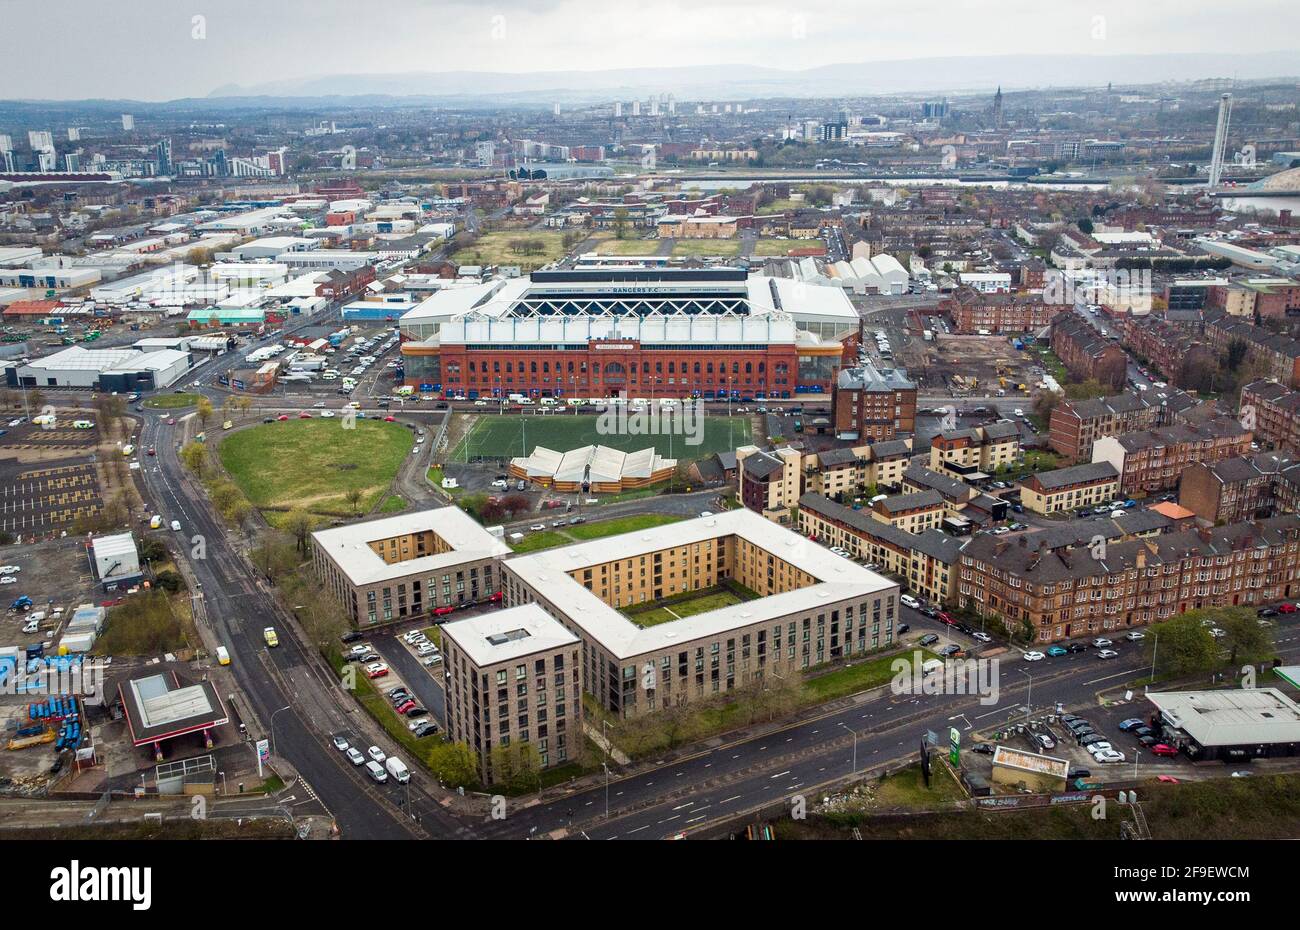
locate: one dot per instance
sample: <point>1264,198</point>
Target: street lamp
<point>1029,698</point>
<point>855,746</point>
<point>273,715</point>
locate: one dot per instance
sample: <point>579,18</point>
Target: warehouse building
<point>120,370</point>
<point>409,565</point>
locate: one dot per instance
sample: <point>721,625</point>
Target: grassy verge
<point>172,401</point>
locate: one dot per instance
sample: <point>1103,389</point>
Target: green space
<point>855,676</point>
<point>172,401</point>
<point>393,503</point>
<point>628,247</point>
<point>144,625</point>
<point>503,437</point>
<point>678,608</point>
<point>764,248</point>
<point>1264,806</point>
<point>705,248</point>
<point>316,465</point>
<point>548,539</point>
<point>782,205</point>
<point>527,248</point>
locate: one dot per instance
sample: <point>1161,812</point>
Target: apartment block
<point>1178,352</point>
<point>513,676</point>
<point>1064,589</point>
<point>1278,354</point>
<point>798,605</point>
<point>915,512</point>
<point>770,482</point>
<point>1076,424</point>
<point>1239,489</point>
<point>926,562</point>
<point>1064,489</point>
<point>1275,411</point>
<point>401,567</point>
<point>981,449</point>
<point>873,404</point>
<point>836,472</point>
<point>1153,460</point>
<point>1086,353</point>
<point>973,312</point>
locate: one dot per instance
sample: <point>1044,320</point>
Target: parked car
<point>376,670</point>
<point>1057,651</point>
<point>341,744</point>
<point>1044,740</point>
<point>1132,723</point>
<point>986,749</point>
<point>377,754</point>
<point>1106,653</point>
<point>908,601</point>
<point>1164,749</point>
<point>982,637</point>
<point>1109,756</point>
<point>1101,642</point>
<point>1033,656</point>
<point>928,639</point>
<point>355,757</point>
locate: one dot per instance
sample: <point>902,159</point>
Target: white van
<point>376,771</point>
<point>547,401</point>
<point>397,768</point>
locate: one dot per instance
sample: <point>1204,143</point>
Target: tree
<point>353,497</point>
<point>455,765</point>
<point>516,767</point>
<point>205,411</point>
<point>194,455</point>
<point>1182,645</point>
<point>274,556</point>
<point>1243,636</point>
<point>1085,226</point>
<point>620,223</point>
<point>298,524</point>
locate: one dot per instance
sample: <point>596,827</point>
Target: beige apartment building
<point>845,471</point>
<point>927,562</point>
<point>915,512</point>
<point>1070,488</point>
<point>513,676</point>
<point>405,566</point>
<point>770,482</point>
<point>797,605</point>
<point>979,449</point>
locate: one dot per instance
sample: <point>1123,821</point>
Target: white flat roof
<point>504,635</point>
<point>1236,717</point>
<point>547,573</point>
<point>349,545</point>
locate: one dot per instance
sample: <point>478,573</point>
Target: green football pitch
<point>501,437</point>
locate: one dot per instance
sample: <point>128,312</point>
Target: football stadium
<point>601,333</point>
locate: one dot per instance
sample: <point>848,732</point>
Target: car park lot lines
<point>33,500</point>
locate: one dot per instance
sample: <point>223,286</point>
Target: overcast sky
<point>153,49</point>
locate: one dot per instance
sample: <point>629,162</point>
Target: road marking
<point>779,774</point>
<point>734,797</point>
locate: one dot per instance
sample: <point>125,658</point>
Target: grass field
<point>503,437</point>
<point>495,248</point>
<point>768,247</point>
<point>627,247</point>
<point>699,602</point>
<point>172,401</point>
<point>314,463</point>
<point>581,532</point>
<point>703,248</point>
